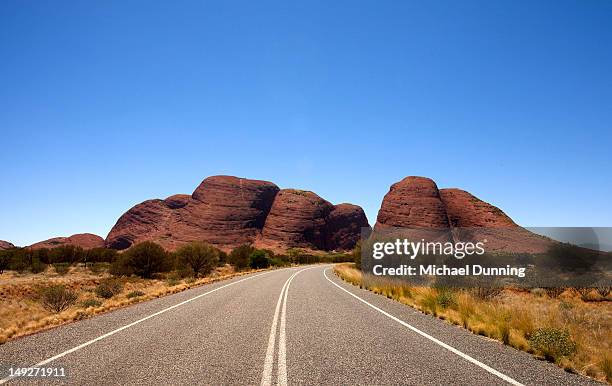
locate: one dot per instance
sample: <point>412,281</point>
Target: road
<point>290,326</point>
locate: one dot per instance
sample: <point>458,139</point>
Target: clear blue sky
<point>106,104</point>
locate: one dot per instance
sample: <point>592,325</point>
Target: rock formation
<point>83,240</point>
<point>344,225</point>
<point>297,218</point>
<point>416,203</point>
<point>6,245</point>
<point>229,211</point>
<point>465,210</point>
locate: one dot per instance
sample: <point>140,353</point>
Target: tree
<point>4,261</point>
<point>143,260</point>
<point>201,257</point>
<point>222,258</point>
<point>240,256</point>
<point>259,259</point>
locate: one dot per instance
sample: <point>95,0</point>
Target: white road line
<point>281,376</point>
<point>46,361</point>
<point>266,377</point>
<point>431,338</point>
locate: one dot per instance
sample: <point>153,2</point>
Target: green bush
<point>430,303</point>
<point>144,260</point>
<point>240,256</point>
<point>37,266</point>
<point>108,288</point>
<point>57,298</point>
<point>553,343</point>
<point>91,303</point>
<point>97,267</point>
<point>173,279</point>
<point>280,261</point>
<point>135,294</point>
<point>64,254</point>
<point>446,298</point>
<point>100,255</point>
<point>259,259</point>
<point>201,257</point>
<point>61,268</point>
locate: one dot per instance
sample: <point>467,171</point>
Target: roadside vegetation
<point>570,327</point>
<point>47,287</point>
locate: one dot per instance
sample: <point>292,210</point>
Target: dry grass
<point>21,311</point>
<point>512,317</point>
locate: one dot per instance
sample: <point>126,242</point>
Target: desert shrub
<point>90,303</point>
<point>185,272</point>
<point>335,257</point>
<point>446,298</point>
<point>108,288</point>
<point>61,268</point>
<point>279,261</point>
<point>99,255</point>
<point>37,266</point>
<point>259,259</point>
<point>467,308</point>
<point>486,293</point>
<point>57,298</point>
<point>135,294</point>
<point>554,292</point>
<point>144,260</point>
<point>583,292</point>
<point>63,254</point>
<point>307,258</point>
<point>173,279</point>
<point>565,306</point>
<point>503,325</point>
<point>356,254</point>
<point>201,257</point>
<point>430,303</point>
<point>17,259</point>
<point>602,291</point>
<point>240,256</point>
<point>553,343</point>
<point>97,267</point>
<point>606,367</point>
<point>540,292</point>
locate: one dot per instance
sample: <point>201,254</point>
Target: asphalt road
<point>291,326</point>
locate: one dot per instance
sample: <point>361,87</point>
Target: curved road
<point>291,326</point>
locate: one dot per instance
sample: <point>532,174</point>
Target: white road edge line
<point>46,361</point>
<point>266,377</point>
<point>425,335</point>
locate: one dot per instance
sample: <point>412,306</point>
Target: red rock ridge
<point>416,202</point>
<point>83,240</point>
<point>229,211</point>
<point>413,202</point>
<point>6,245</point>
